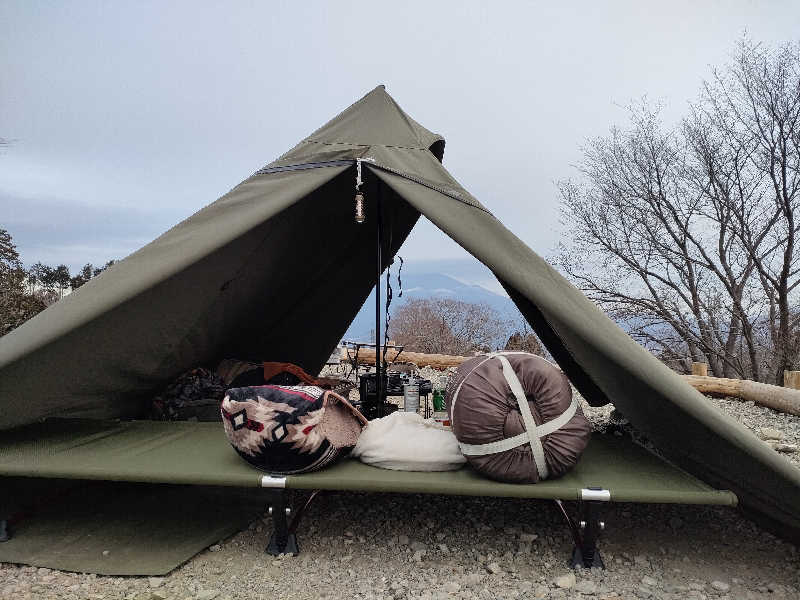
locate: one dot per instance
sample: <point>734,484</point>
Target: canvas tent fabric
<point>276,269</point>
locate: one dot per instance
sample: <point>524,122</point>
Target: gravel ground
<point>372,546</point>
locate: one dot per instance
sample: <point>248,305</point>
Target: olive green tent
<point>277,268</point>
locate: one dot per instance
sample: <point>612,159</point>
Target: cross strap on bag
<point>532,435</point>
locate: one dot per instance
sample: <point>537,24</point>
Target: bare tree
<point>16,306</point>
<point>754,108</point>
<point>62,279</point>
<point>84,275</point>
<point>47,278</point>
<point>88,271</point>
<point>523,339</point>
<point>524,342</point>
<point>688,236</point>
<point>12,275</point>
<point>446,326</point>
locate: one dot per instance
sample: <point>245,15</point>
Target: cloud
<point>52,231</point>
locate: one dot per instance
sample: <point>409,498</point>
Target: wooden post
<point>699,368</point>
<point>791,379</point>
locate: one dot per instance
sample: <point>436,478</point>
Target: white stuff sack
<point>404,441</point>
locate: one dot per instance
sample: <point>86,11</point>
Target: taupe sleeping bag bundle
<point>515,418</point>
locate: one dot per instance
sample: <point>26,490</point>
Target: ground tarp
<point>119,528</point>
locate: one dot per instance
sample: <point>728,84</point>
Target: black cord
<point>400,281</point>
<point>389,296</point>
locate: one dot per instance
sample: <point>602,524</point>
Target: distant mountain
<point>427,285</point>
<point>462,279</point>
<point>444,279</point>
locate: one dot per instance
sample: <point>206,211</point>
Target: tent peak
<point>375,120</point>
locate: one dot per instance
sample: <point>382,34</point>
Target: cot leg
<point>5,535</point>
<point>282,541</point>
<point>585,534</point>
<point>586,554</point>
<point>282,532</point>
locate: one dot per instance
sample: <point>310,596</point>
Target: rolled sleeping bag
<point>290,429</point>
<point>515,418</point>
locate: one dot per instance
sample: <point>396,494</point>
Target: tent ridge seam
<point>303,166</point>
<point>435,188</point>
<point>418,180</point>
<point>310,141</point>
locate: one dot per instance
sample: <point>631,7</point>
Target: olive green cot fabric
<point>630,473</point>
<point>199,453</point>
<point>112,528</point>
<point>141,451</point>
<point>277,268</point>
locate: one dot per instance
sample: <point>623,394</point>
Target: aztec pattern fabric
<point>290,429</point>
<point>515,418</point>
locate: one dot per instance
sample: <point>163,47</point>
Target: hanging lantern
<point>359,207</point>
<point>360,216</point>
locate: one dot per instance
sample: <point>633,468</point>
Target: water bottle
<point>438,400</point>
<point>411,396</point>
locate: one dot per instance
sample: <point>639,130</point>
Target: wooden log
<point>366,356</point>
<point>791,379</point>
<point>699,368</point>
<point>772,396</point>
<point>778,398</point>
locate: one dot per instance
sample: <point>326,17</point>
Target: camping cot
<point>611,469</point>
<point>275,270</point>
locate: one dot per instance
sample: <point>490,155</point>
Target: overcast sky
<point>127,117</point>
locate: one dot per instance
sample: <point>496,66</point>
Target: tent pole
<point>378,377</point>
